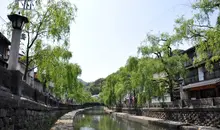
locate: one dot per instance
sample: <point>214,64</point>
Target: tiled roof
<point>4,38</point>
<point>202,83</point>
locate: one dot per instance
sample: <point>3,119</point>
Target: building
<point>166,97</point>
<point>4,56</point>
<point>199,82</point>
<point>4,50</point>
<point>21,67</point>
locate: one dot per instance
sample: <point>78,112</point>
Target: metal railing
<point>192,79</point>
<point>214,74</point>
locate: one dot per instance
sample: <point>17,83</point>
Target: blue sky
<point>107,32</point>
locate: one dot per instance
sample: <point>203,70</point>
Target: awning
<point>202,83</point>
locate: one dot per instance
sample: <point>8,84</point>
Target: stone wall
<point>23,107</point>
<point>195,116</point>
<point>19,113</point>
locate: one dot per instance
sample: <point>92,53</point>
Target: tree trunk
<point>171,92</point>
<point>120,100</point>
<point>130,99</point>
<point>134,100</point>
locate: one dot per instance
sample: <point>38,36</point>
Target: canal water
<point>97,119</point>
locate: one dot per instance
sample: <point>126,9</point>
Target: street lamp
<point>18,23</point>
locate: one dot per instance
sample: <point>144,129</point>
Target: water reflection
<point>100,121</point>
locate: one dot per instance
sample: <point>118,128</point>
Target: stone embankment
<point>159,122</point>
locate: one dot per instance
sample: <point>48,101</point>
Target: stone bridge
<point>23,107</point>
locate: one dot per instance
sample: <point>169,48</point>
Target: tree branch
<point>194,35</point>
<point>38,29</point>
<point>32,68</point>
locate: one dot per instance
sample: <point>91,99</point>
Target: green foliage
<point>96,86</point>
<point>201,31</point>
<point>46,47</point>
<point>155,73</point>
<point>81,95</point>
<point>49,26</point>
<point>160,66</point>
<point>169,62</point>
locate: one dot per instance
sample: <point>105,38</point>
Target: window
<point>208,93</point>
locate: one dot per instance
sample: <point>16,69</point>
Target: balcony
<point>192,79</point>
<point>212,75</point>
<point>188,63</point>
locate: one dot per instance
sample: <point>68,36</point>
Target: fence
<point>199,103</point>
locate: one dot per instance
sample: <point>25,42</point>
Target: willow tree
<point>80,95</point>
<point>132,67</point>
<point>124,82</point>
<point>203,31</point>
<point>146,69</point>
<point>170,62</point>
<point>53,67</point>
<point>108,91</point>
<point>49,24</point>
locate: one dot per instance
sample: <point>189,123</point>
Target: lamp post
<point>18,23</point>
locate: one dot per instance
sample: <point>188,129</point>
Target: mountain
<point>96,86</point>
<point>83,82</point>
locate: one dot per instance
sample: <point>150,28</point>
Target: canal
<point>97,119</point>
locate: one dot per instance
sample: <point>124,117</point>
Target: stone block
<point>10,112</point>
<point>16,78</point>
<point>1,123</point>
<point>3,112</point>
<point>20,112</point>
<point>217,101</point>
<point>5,77</point>
<point>5,121</point>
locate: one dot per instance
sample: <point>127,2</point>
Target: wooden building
<point>4,50</point>
<point>199,82</point>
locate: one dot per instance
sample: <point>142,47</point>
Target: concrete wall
<point>30,76</point>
